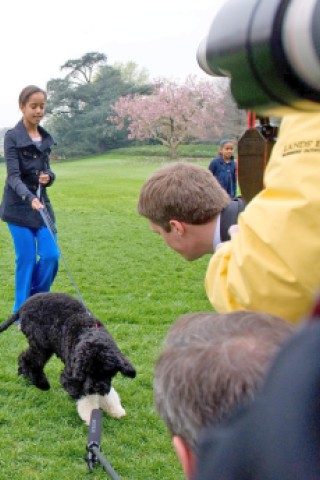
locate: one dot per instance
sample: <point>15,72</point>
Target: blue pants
<point>37,264</point>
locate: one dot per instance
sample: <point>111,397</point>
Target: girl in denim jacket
<point>26,149</point>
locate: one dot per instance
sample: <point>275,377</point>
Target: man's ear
<point>186,456</point>
<point>178,227</point>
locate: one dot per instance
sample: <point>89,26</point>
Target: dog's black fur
<point>57,323</point>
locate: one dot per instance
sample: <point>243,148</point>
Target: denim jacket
<point>25,161</point>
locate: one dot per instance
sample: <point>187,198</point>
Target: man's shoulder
<point>236,204</point>
<point>239,203</point>
<point>229,216</point>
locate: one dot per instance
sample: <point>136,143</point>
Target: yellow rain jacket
<point>273,263</point>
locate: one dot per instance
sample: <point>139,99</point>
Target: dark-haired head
<point>26,93</point>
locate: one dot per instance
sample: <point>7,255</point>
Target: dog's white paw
<point>85,405</point>
<point>111,404</point>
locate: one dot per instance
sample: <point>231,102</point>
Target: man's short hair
<point>210,363</point>
<point>182,191</point>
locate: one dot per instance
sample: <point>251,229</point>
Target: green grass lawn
<point>137,286</point>
<point>191,151</point>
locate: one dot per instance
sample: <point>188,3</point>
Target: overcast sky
<point>36,38</point>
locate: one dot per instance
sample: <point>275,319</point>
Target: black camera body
<point>271,51</point>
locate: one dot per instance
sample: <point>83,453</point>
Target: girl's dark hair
<point>26,93</point>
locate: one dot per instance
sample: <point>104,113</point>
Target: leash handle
<point>95,427</point>
<point>94,455</point>
<point>94,436</point>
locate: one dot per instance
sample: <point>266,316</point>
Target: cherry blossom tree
<point>173,114</point>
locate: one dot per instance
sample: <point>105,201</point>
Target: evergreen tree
<point>79,106</point>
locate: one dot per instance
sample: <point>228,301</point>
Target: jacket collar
<point>23,139</point>
<point>222,161</point>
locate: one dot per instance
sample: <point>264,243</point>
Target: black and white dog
<point>57,323</point>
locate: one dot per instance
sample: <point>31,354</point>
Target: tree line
<point>96,107</point>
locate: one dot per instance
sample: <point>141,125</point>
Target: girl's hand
<point>36,204</point>
<point>44,178</point>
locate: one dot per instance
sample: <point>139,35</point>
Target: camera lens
<point>270,50</point>
<point>301,39</point>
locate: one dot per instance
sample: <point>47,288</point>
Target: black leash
<point>94,455</point>
<point>52,230</point>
